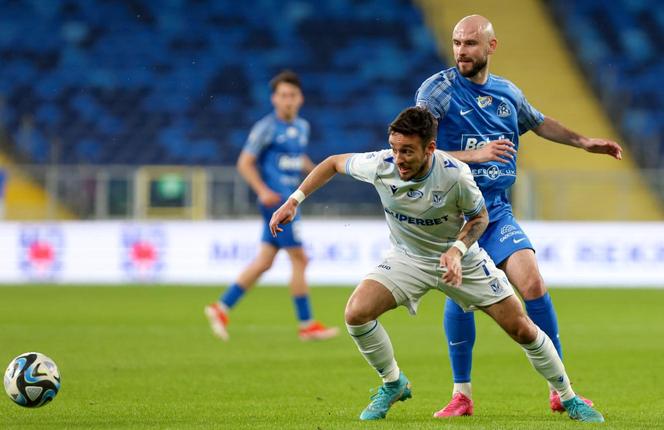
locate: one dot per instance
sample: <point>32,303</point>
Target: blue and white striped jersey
<point>469,115</point>
<point>279,147</point>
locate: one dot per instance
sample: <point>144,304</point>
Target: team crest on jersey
<point>504,110</point>
<point>292,132</point>
<point>496,287</point>
<point>437,199</point>
<point>484,101</point>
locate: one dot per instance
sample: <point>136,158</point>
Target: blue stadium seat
<point>181,82</point>
<point>618,44</point>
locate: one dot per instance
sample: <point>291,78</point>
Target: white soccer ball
<point>32,380</point>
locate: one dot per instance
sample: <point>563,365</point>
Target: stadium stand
<point>180,82</point>
<point>618,45</point>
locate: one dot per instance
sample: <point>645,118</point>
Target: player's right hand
<point>501,150</point>
<point>451,261</point>
<point>283,215</point>
<point>269,198</point>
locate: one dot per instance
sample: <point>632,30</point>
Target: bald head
<point>473,42</point>
<point>475,24</point>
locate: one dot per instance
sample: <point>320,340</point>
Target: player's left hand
<point>283,215</point>
<point>451,260</point>
<point>603,146</point>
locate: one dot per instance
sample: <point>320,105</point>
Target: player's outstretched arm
<point>553,130</point>
<point>318,177</point>
<point>468,235</point>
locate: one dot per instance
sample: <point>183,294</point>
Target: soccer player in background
<point>427,196</point>
<point>481,117</point>
<point>271,162</point>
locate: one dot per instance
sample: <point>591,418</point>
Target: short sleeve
<point>364,165</point>
<point>435,95</point>
<point>259,138</point>
<point>470,201</point>
<point>528,116</point>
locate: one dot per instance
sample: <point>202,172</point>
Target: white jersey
<point>424,215</point>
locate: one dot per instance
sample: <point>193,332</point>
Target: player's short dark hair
<point>287,76</point>
<point>415,121</point>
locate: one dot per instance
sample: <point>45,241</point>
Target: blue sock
<point>542,313</point>
<point>302,307</point>
<point>460,332</point>
<point>232,295</point>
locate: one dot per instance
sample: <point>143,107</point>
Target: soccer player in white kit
<point>435,213</point>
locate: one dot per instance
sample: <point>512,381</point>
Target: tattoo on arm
<point>474,228</point>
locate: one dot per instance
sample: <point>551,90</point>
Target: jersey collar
<point>433,163</point>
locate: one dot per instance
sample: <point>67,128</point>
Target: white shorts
<point>408,279</point>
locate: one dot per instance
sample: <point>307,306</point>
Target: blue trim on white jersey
<point>348,163</point>
<point>433,163</point>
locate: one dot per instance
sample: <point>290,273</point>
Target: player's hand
<point>451,260</point>
<point>501,150</point>
<point>603,146</point>
<point>283,215</point>
<point>269,198</point>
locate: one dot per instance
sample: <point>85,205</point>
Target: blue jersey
<point>469,115</point>
<point>279,147</point>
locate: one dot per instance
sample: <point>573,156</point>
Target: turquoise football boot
<point>577,409</point>
<point>387,395</point>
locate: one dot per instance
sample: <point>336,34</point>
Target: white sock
<point>463,388</point>
<point>375,345</point>
<point>543,356</point>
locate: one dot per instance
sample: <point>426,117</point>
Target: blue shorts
<point>503,238</point>
<point>289,238</point>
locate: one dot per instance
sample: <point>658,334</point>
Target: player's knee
<point>524,331</point>
<point>533,288</point>
<point>299,259</point>
<point>263,264</point>
<point>356,314</point>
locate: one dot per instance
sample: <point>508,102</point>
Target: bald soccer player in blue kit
<point>481,117</point>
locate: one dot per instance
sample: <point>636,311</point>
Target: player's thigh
<point>297,256</point>
<point>369,300</point>
<point>266,254</point>
<point>523,272</point>
<point>510,316</point>
<point>406,278</point>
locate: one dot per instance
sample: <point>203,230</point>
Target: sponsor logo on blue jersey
<point>477,141</point>
<point>290,163</point>
<point>492,172</point>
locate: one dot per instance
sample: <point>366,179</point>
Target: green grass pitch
<point>144,358</point>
